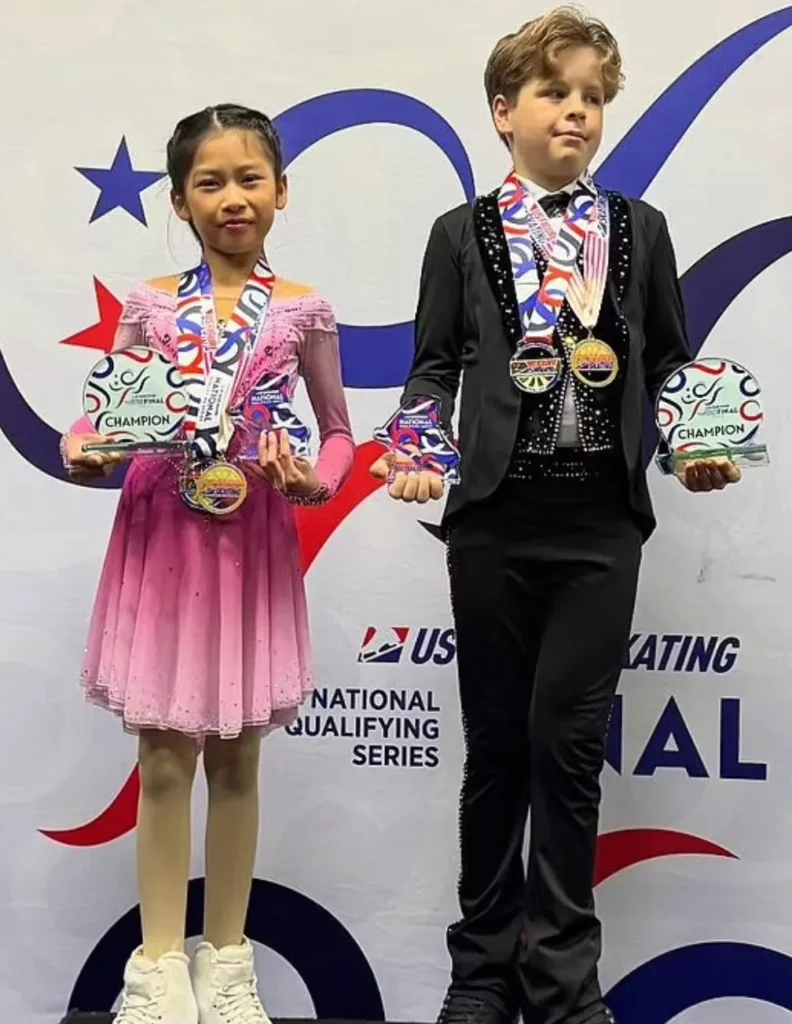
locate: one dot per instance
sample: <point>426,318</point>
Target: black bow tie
<point>555,205</point>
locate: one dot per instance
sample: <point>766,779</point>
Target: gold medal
<point>594,363</point>
<point>220,488</point>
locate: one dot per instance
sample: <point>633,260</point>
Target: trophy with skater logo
<point>137,398</point>
<point>710,409</point>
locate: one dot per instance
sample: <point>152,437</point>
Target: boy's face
<point>555,127</point>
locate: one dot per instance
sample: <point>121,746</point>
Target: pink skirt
<point>200,622</point>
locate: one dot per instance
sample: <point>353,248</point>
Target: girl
<point>199,637</point>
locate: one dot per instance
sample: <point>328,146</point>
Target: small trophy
<point>137,398</point>
<point>267,407</point>
<point>710,409</point>
<point>415,431</point>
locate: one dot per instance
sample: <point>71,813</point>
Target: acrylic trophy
<point>415,432</point>
<point>710,409</point>
<point>137,399</point>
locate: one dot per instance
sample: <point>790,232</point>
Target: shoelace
<point>136,1009</point>
<point>459,1009</point>
<point>239,1004</point>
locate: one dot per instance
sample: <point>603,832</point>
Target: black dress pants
<point>543,592</point>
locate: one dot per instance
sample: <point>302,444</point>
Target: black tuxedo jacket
<point>461,332</point>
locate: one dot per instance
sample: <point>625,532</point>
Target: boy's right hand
<point>82,463</point>
<point>406,484</point>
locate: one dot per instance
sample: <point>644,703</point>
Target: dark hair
<point>191,131</point>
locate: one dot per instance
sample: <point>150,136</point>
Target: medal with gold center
<point>594,363</point>
<point>220,488</point>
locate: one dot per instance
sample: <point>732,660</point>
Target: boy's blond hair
<point>532,52</point>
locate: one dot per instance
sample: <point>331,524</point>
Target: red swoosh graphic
<point>315,526</point>
<point>617,851</point>
<point>115,821</point>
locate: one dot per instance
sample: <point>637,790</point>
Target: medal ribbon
<point>210,365</point>
<point>586,226</point>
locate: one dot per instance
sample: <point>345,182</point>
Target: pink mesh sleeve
<point>131,323</point>
<point>320,363</point>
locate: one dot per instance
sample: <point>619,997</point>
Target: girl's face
<point>231,192</point>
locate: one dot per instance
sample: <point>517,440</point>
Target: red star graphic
<point>100,335</point>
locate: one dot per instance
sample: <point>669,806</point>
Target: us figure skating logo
<point>383,646</point>
<point>423,645</point>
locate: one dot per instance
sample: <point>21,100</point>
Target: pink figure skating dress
<point>200,622</point>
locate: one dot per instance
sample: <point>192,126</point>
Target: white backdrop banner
<point>383,106</point>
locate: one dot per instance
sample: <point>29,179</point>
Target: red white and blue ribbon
<point>211,364</point>
<point>585,226</point>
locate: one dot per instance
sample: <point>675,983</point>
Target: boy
<point>544,533</point>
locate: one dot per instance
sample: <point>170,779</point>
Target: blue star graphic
<point>120,185</point>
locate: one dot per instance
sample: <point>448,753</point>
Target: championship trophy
<point>710,409</point>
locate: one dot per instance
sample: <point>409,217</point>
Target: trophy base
<point>449,478</point>
<point>415,432</point>
<point>137,448</point>
<point>744,457</point>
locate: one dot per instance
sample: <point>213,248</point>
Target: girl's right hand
<point>93,463</point>
<point>406,484</point>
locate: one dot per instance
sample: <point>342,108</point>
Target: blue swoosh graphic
<point>307,123</point>
<point>710,286</point>
<point>637,160</point>
<point>380,356</point>
<point>376,356</point>
<point>33,438</point>
<point>660,990</point>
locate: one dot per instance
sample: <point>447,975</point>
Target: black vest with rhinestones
<point>598,409</point>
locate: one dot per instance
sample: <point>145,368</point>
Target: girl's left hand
<point>279,467</point>
<point>708,474</point>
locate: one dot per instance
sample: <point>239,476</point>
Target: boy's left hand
<point>708,474</point>
<point>281,469</point>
